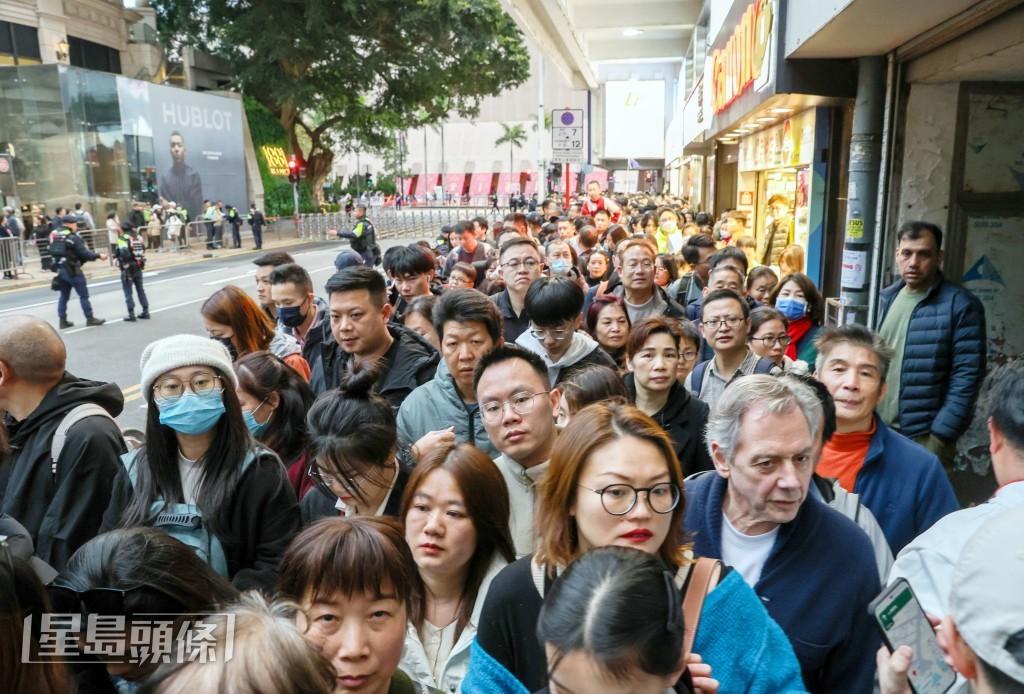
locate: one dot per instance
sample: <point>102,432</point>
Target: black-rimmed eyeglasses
<point>620,499</point>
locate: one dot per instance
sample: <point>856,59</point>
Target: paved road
<point>111,352</point>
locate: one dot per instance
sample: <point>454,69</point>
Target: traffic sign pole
<point>567,189</point>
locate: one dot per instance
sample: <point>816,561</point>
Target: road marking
<point>21,308</point>
<point>154,310</point>
<point>228,279</point>
<point>125,391</point>
<point>321,269</point>
<point>133,396</point>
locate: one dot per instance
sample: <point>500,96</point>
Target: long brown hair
<point>485,496</point>
<point>591,428</point>
<point>24,596</point>
<point>252,330</point>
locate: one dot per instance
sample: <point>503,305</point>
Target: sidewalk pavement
<point>99,269</point>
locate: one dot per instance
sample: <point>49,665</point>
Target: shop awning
<point>453,183</point>
<point>480,185</point>
<point>600,176</point>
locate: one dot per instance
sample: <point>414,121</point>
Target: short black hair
<point>913,230</point>
<point>481,222</point>
<point>355,278</point>
<point>719,294</point>
<point>702,219</point>
<point>551,301</point>
<point>410,260</point>
<point>465,305</point>
<point>688,331</point>
<point>292,273</point>
<point>462,226</point>
<point>504,353</point>
<point>519,240</point>
<point>730,252</point>
<point>691,249</point>
<point>273,258</point>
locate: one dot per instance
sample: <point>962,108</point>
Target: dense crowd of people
<point>613,448</point>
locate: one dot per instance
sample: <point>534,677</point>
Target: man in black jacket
<point>60,503</point>
<point>360,332</point>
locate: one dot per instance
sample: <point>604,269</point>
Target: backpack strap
<point>697,377</point>
<point>73,417</point>
<point>703,575</point>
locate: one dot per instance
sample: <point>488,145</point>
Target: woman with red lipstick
<point>614,480</point>
<point>353,442</point>
<point>652,357</point>
<point>456,512</point>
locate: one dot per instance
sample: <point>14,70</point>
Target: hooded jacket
<point>437,405</point>
<point>62,512</point>
<point>583,351</point>
<point>286,348</point>
<point>409,363</point>
<point>683,418</point>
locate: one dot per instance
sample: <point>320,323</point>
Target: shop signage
<point>277,162</point>
<point>745,57</point>
<point>788,144</point>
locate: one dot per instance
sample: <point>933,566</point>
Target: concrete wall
<point>928,153</point>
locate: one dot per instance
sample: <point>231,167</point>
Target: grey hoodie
<point>582,349</point>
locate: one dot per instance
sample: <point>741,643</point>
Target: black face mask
<point>226,341</point>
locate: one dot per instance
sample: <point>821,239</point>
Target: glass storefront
<point>62,128</point>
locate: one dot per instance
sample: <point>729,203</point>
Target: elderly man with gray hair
<point>813,568</point>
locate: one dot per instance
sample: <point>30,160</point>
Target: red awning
<point>480,185</point>
<point>453,184</point>
<point>600,176</point>
<point>530,187</point>
<point>504,187</point>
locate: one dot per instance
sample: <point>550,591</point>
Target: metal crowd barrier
<point>12,258</point>
<point>420,223</point>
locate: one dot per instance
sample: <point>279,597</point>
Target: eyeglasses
<point>201,383</point>
<point>642,264</point>
<point>514,265</point>
<point>769,340</point>
<point>619,499</point>
<point>106,601</point>
<point>558,334</point>
<point>346,481</point>
<point>713,325</point>
<point>688,355</point>
<point>521,403</point>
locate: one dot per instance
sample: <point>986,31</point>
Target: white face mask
<point>669,226</point>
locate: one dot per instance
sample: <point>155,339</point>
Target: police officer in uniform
<point>68,252</point>
<point>131,258</point>
<point>364,237</point>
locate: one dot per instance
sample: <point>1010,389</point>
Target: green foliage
<point>277,191</point>
<point>339,74</point>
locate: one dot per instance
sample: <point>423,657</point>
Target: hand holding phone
<point>903,623</point>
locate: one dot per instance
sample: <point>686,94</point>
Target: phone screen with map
<point>903,623</point>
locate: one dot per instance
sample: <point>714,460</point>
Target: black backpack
<point>764,366</point>
<point>59,244</point>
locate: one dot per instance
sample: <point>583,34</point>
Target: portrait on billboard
<point>198,146</point>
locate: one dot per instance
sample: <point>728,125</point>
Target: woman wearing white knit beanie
<point>200,476</point>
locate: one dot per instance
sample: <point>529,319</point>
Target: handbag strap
<point>702,573</point>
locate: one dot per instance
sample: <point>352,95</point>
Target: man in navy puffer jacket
<point>937,329</point>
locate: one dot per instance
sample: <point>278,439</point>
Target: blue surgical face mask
<point>792,307</point>
<point>255,428</point>
<point>191,413</point>
<point>560,266</point>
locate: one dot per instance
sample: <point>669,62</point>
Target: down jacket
<point>437,405</point>
<point>943,362</point>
